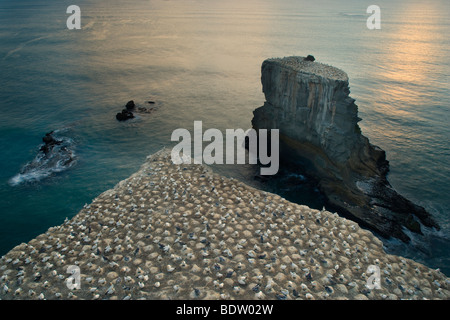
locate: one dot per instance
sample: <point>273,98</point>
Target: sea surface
<point>201,60</point>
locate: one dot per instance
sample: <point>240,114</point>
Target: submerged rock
<point>318,121</point>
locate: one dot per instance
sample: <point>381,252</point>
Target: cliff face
<point>310,104</point>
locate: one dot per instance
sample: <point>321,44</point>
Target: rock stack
<point>127,112</point>
<point>309,103</point>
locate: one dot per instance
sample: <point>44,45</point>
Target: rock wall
<point>309,103</point>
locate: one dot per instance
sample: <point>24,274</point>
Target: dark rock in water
<point>45,149</point>
<point>63,152</point>
<point>310,58</point>
<point>319,131</point>
<point>48,138</point>
<point>49,143</point>
<point>124,115</point>
<point>55,155</point>
<point>130,105</point>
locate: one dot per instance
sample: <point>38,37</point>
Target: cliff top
<point>311,67</point>
<point>184,232</point>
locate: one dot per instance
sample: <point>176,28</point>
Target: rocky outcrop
<point>309,103</point>
<point>127,112</point>
<point>124,115</point>
<point>131,107</point>
<point>49,143</point>
<point>55,155</point>
<point>184,232</point>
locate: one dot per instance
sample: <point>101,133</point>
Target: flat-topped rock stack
<point>183,232</point>
<point>302,65</point>
<point>309,103</point>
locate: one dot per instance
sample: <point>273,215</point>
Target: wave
<point>55,155</point>
<point>430,249</point>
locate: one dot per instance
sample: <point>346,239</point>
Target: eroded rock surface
<point>309,103</point>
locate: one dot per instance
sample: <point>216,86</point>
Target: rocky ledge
<point>184,232</point>
<point>309,103</point>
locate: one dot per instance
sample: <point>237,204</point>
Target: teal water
<point>200,60</point>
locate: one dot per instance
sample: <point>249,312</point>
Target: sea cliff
<point>309,103</point>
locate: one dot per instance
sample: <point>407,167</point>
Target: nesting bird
<point>183,232</point>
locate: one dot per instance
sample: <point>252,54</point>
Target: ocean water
<point>200,60</point>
